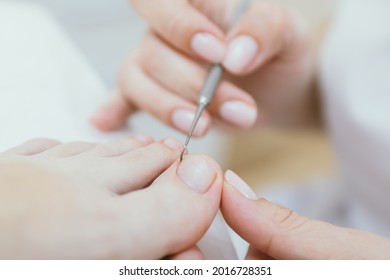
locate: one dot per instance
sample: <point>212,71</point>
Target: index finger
<point>184,27</point>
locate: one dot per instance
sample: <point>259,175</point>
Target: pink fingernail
<point>238,113</point>
<point>234,180</point>
<point>208,47</point>
<point>240,54</point>
<point>182,119</point>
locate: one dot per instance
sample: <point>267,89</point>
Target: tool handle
<point>216,71</point>
<point>211,84</point>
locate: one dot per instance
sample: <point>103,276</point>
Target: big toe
<point>178,208</point>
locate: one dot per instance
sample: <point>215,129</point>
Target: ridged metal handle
<point>211,84</point>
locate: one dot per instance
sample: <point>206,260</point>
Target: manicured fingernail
<point>208,47</point>
<point>197,173</point>
<point>240,54</point>
<point>143,138</point>
<point>238,113</point>
<point>182,119</point>
<point>173,144</point>
<point>234,180</point>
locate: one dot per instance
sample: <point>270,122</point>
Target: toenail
<point>197,173</point>
<point>173,144</point>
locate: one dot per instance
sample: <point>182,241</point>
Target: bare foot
<point>129,198</point>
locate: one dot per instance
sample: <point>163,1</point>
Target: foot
<point>129,198</point>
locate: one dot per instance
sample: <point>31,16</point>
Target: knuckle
<point>176,27</point>
<point>194,84</point>
<point>150,50</point>
<point>288,220</point>
<point>177,21</point>
<point>274,14</point>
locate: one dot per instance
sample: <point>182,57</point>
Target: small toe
<point>33,147</point>
<point>138,168</point>
<point>69,149</point>
<point>119,147</point>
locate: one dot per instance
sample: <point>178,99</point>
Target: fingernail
<point>238,113</point>
<point>241,52</point>
<point>173,144</point>
<point>197,173</point>
<point>234,180</point>
<point>208,47</point>
<point>182,119</point>
<point>143,138</point>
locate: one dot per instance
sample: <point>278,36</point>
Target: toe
<point>32,147</point>
<point>69,149</point>
<point>121,146</point>
<point>175,212</point>
<point>138,168</point>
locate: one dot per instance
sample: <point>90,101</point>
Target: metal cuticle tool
<point>212,81</point>
<point>205,98</point>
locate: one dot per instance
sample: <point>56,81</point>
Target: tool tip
<point>182,153</point>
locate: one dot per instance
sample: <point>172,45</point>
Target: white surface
<point>104,30</point>
<point>356,80</point>
<point>47,88</point>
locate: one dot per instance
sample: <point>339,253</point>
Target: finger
<point>166,106</point>
<point>32,147</point>
<point>184,77</point>
<point>113,114</point>
<point>264,32</point>
<point>174,213</point>
<point>184,27</point>
<point>283,234</point>
<point>192,253</point>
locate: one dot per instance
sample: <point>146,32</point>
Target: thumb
<point>184,27</point>
<point>283,234</point>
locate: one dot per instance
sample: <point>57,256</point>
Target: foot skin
<point>126,199</point>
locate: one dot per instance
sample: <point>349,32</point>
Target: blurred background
<point>105,31</point>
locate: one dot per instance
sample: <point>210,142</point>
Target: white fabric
<point>46,86</point>
<point>356,81</point>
